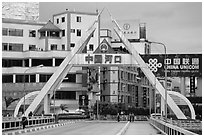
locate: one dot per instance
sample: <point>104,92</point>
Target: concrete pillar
<point>30,62</point>
<point>78,78</point>
<point>199,87</point>
<point>162,106</point>
<point>37,78</point>
<point>14,78</point>
<point>53,62</point>
<point>90,97</point>
<point>47,104</point>
<point>183,85</point>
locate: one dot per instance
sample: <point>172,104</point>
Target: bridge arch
<point>27,96</point>
<point>183,98</point>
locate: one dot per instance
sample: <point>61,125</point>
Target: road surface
<point>141,128</point>
<point>98,128</point>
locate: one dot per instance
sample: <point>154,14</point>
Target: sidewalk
<point>32,129</point>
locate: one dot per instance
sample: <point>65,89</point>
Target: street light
<point>98,95</point>
<point>24,85</point>
<point>165,75</point>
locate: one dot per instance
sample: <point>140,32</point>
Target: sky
<point>176,24</point>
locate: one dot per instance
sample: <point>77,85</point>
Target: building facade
<point>32,51</point>
<point>124,84</point>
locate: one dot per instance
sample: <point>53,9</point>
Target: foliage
<point>9,100</point>
<point>114,108</point>
<point>63,107</point>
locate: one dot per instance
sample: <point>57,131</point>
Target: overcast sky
<point>177,25</point>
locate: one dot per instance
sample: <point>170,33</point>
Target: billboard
<point>178,65</point>
<point>130,28</point>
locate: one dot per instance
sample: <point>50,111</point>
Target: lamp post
<point>24,85</point>
<point>165,74</point>
<point>99,88</point>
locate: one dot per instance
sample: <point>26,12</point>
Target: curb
<point>123,130</point>
<point>38,128</point>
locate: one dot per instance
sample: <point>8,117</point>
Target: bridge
<point>152,126</point>
<point>141,126</point>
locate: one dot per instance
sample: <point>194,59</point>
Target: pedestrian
<point>24,121</point>
<point>130,117</point>
<point>118,117</point>
<point>30,114</point>
<point>133,117</point>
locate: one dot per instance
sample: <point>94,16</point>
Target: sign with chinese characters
<point>178,65</point>
<point>130,28</point>
<point>105,59</point>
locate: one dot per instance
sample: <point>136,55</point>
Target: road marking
<point>123,130</point>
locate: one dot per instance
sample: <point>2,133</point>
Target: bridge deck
<point>99,128</point>
<point>141,128</point>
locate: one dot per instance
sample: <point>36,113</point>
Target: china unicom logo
<point>153,64</point>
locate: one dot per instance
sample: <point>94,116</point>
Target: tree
<point>63,107</point>
<point>8,101</point>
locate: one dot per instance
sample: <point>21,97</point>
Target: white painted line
<point>123,130</point>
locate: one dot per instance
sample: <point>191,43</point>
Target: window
<point>53,33</point>
<point>58,61</point>
<point>72,30</point>
<point>12,63</point>
<point>91,47</point>
<point>32,33</point>
<point>78,32</point>
<point>53,47</point>
<point>72,45</point>
<point>15,47</point>
<point>32,78</point>
<point>71,78</point>
<point>7,78</point>
<point>65,95</point>
<point>32,47</point>
<point>63,47</point>
<point>63,19</point>
<point>16,32</point>
<point>57,21</point>
<point>19,78</point>
<point>4,46</point>
<point>25,78</point>
<point>63,33</point>
<point>42,34</point>
<point>78,19</point>
<point>44,77</point>
<point>5,31</point>
<point>44,62</point>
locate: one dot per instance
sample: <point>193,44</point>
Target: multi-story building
<point>32,51</point>
<point>122,84</point>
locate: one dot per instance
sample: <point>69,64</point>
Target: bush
<point>114,108</point>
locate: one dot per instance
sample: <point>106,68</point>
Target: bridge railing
<point>15,123</point>
<point>169,129</point>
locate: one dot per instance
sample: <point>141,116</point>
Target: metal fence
<point>169,129</point>
<point>15,123</point>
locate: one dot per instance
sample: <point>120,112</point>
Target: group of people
<point>131,117</point>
